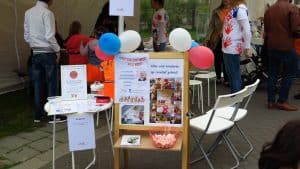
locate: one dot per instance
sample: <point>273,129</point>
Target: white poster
<point>121,7</point>
<point>166,92</point>
<point>163,91</point>
<point>81,131</point>
<point>132,78</point>
<point>73,82</point>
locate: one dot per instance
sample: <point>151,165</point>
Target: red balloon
<point>101,55</point>
<point>201,57</point>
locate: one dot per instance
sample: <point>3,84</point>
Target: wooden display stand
<point>182,144</point>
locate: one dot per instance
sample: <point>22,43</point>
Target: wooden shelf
<point>147,144</point>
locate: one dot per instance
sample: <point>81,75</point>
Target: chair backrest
<point>250,91</point>
<point>230,99</point>
<point>233,99</point>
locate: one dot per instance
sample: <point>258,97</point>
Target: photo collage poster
<point>150,91</point>
<point>166,92</point>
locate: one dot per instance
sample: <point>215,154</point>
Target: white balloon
<point>180,39</point>
<point>130,40</point>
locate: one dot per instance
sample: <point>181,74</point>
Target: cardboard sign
<point>121,7</point>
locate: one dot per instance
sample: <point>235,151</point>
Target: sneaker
<point>286,106</point>
<point>59,119</point>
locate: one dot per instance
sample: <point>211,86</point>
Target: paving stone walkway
<point>33,150</point>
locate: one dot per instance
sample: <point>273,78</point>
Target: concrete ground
<point>33,150</point>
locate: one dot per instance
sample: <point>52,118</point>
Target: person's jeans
<point>286,62</point>
<point>232,66</point>
<point>161,47</point>
<point>43,68</point>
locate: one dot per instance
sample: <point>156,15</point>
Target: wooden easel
<point>182,144</point>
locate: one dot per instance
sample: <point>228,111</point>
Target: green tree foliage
<point>192,15</point>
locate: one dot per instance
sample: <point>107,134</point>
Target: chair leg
<point>232,151</point>
<point>232,145</point>
<point>202,98</point>
<point>199,96</point>
<point>198,142</point>
<point>215,89</point>
<point>234,148</point>
<point>210,150</point>
<point>248,142</point>
<point>208,92</point>
<point>193,94</point>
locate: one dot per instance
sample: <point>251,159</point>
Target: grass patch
<point>16,113</point>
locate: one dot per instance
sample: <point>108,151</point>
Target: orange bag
<point>108,67</point>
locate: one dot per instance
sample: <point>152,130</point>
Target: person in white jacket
<point>236,40</point>
<point>39,33</point>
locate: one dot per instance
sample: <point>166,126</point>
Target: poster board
<point>165,86</point>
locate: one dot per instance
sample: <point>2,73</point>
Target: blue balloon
<point>194,44</point>
<point>110,44</point>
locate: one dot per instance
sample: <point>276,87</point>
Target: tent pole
<point>121,25</point>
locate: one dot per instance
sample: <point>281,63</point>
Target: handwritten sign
<point>121,7</point>
<point>81,132</point>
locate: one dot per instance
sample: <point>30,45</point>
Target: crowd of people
<point>229,36</point>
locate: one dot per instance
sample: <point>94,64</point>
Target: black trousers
<point>219,62</point>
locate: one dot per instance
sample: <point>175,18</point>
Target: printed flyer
<point>81,132</point>
<point>132,78</point>
<point>73,82</point>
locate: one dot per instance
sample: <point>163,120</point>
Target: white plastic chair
<point>228,113</point>
<point>208,76</point>
<point>211,124</point>
<point>198,84</point>
<point>240,113</point>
